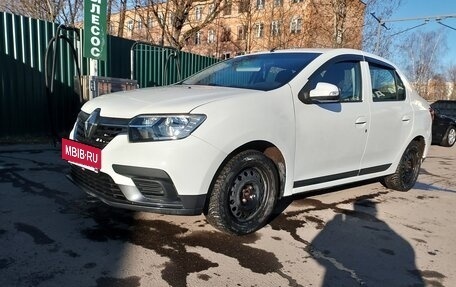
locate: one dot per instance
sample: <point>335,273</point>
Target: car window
<point>346,75</point>
<point>386,84</point>
<point>258,71</point>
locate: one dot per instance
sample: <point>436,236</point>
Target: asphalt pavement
<point>53,234</point>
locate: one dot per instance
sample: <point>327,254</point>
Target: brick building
<point>244,26</point>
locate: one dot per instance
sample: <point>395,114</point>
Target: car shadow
<point>283,203</point>
<point>428,187</point>
<point>356,248</point>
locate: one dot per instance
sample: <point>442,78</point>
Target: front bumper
<point>153,191</point>
<point>171,177</point>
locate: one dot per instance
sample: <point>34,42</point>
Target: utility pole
<point>382,23</point>
<point>379,31</point>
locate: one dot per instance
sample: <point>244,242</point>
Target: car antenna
<point>273,49</point>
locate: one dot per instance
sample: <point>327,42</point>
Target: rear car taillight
<point>431,110</point>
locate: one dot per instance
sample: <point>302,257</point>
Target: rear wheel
<point>450,137</point>
<point>243,194</point>
<point>408,169</point>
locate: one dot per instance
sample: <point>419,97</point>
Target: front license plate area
<point>83,155</point>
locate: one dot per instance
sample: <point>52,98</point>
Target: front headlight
<point>163,127</point>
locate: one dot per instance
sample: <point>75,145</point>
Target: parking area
<point>53,234</point>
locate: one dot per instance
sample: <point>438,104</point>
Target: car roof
<point>330,52</point>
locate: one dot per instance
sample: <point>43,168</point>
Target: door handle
<point>406,118</point>
<point>361,121</point>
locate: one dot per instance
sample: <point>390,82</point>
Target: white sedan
<point>233,139</point>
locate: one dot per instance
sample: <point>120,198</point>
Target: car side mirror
<point>325,92</point>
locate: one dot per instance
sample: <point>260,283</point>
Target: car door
<point>391,118</point>
<point>331,137</point>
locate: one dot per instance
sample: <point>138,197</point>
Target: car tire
<point>450,137</point>
<point>243,194</point>
<point>408,169</point>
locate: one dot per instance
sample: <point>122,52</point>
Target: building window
<point>211,36</point>
<point>260,4</point>
<point>225,56</point>
<point>244,6</point>
<point>226,34</point>
<point>198,13</point>
<point>227,8</point>
<point>139,24</point>
<point>259,30</point>
<point>296,26</point>
<point>197,40</point>
<point>278,3</point>
<point>241,33</point>
<point>130,25</point>
<point>275,28</point>
<point>150,23</point>
<point>296,1</point>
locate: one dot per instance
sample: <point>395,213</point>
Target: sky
<point>428,8</point>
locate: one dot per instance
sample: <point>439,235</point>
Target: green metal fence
<point>157,66</point>
<point>23,103</point>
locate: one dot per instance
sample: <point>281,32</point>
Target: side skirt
<point>333,177</point>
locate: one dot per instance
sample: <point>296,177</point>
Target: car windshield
<point>258,72</point>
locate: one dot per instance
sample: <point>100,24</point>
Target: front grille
<point>105,131</point>
<point>100,183</point>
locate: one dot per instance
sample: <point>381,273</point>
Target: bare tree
<point>451,78</point>
<point>108,17</point>
<point>290,32</point>
<point>438,88</point>
<point>423,52</point>
<point>67,12</point>
<point>287,24</point>
<point>374,35</point>
<point>180,20</point>
<point>242,39</point>
<point>339,23</point>
<point>293,23</point>
<point>71,12</point>
<point>122,13</point>
<point>339,8</point>
<point>46,10</point>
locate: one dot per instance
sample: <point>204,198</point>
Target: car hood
<point>161,100</point>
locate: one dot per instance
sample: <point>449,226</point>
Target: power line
<point>446,25</point>
<point>408,29</point>
<point>427,19</point>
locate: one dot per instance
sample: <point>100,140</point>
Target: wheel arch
<point>408,168</point>
<point>423,145</point>
<point>269,150</point>
<point>421,141</point>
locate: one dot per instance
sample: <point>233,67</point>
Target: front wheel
<point>450,137</point>
<point>407,171</point>
<point>244,193</point>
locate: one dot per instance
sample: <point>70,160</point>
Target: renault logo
<point>90,125</point>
